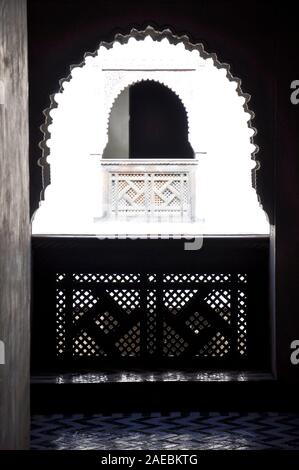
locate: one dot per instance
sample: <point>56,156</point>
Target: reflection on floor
<point>169,431</point>
<point>112,376</point>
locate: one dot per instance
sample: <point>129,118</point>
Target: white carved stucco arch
<point>76,133</point>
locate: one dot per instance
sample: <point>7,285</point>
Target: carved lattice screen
<point>150,195</point>
<point>150,303</point>
<point>144,315</point>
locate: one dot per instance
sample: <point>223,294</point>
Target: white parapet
<point>149,190</point>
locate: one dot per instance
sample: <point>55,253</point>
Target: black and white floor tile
<point>172,431</point>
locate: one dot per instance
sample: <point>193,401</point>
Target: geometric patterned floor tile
<point>169,431</point>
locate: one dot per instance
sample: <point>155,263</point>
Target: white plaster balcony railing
<point>150,189</point>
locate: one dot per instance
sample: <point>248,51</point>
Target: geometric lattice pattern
<point>242,322</point>
<point>60,321</point>
<point>167,431</point>
<point>84,345</point>
<point>150,195</point>
<point>220,301</point>
<point>175,300</point>
<point>105,322</point>
<point>83,301</point>
<point>129,343</point>
<point>173,343</point>
<point>151,308</point>
<point>197,323</point>
<point>128,300</point>
<point>105,278</point>
<point>151,315</point>
<point>205,278</point>
<point>217,346</point>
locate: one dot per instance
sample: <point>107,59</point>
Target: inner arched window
<point>148,120</point>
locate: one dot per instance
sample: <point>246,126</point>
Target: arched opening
<point>203,304</point>
<point>186,110</point>
<point>148,120</point>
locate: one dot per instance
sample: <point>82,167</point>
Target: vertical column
<point>14,227</point>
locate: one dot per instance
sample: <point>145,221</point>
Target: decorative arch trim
<point>140,80</point>
<point>156,36</point>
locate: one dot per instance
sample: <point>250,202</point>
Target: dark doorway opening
<point>158,123</point>
<point>148,120</point>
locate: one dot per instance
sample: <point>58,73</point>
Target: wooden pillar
<point>14,227</point>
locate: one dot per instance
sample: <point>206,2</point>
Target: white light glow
<point>219,133</point>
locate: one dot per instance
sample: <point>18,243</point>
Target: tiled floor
<point>173,431</point>
<point>113,376</point>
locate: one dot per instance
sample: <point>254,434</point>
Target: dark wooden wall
<point>287,195</point>
<point>14,226</point>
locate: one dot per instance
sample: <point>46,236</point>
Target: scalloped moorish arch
<point>133,82</point>
<point>157,80</point>
<point>219,124</point>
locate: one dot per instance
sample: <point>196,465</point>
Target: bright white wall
<point>118,133</point>
<point>219,134</point>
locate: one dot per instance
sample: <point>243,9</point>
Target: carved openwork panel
<point>150,191</point>
<point>147,315</point>
<point>150,195</point>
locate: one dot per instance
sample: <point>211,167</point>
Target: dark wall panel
<point>287,197</point>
